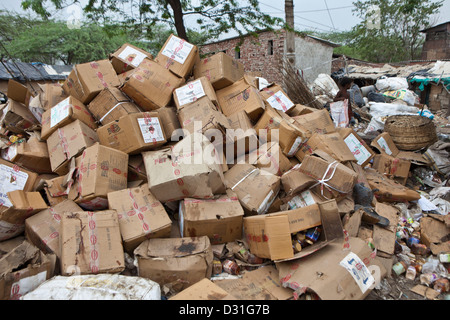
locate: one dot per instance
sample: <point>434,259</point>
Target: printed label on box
<point>190,92</point>
<point>305,199</point>
<point>359,151</point>
<point>280,102</point>
<point>59,112</point>
<point>151,130</point>
<point>295,146</point>
<point>11,179</point>
<point>132,56</point>
<point>383,144</point>
<point>177,49</point>
<point>9,153</point>
<point>359,271</point>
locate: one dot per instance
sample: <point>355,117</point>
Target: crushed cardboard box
<point>128,57</point>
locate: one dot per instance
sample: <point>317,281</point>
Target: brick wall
<point>254,53</point>
<point>439,99</point>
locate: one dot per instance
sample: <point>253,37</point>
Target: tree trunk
<point>178,17</point>
<point>290,36</point>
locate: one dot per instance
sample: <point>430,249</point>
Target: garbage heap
<point>180,177</point>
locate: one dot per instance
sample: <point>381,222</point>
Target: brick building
<point>260,54</point>
<point>437,42</point>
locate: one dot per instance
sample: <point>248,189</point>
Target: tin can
<point>312,235</point>
<point>231,267</point>
<point>217,267</point>
<point>296,246</point>
<point>399,268</point>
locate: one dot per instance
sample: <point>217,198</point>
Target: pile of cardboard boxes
<point>192,168</point>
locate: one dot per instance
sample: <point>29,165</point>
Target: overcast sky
<point>309,15</point>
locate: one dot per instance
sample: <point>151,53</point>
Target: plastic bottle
<point>431,265</point>
<point>411,273</point>
<point>428,278</point>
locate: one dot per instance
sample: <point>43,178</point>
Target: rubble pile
<point>179,177</point>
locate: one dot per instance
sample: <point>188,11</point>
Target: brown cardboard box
<point>201,116</point>
<point>316,122</point>
<point>124,76</point>
<point>151,86</point>
<point>186,170</point>
<point>31,154</point>
<point>193,91</point>
<point>90,243</point>
<point>277,98</point>
<point>22,268</point>
<point>141,216</point>
<point>294,181</point>
<point>337,179</point>
<point>219,219</point>
<point>299,110</point>
<point>111,104</point>
<point>344,274</point>
<point>56,190</point>
<point>178,56</point>
<point>133,133</point>
<point>50,95</point>
<point>221,69</point>
<point>361,151</point>
<point>300,200</point>
<point>331,143</point>
<point>289,135</point>
<point>128,57</point>
<point>169,119</point>
<point>101,170</point>
<point>14,177</point>
<point>270,236</point>
<point>393,168</point>
<point>177,263</point>
<point>43,228</point>
<point>86,80</point>
<point>18,92</point>
<point>17,117</point>
<point>242,139</point>
<point>256,189</point>
<point>203,290</point>
<point>23,205</point>
<point>67,142</point>
<point>268,157</point>
<point>241,95</point>
<point>62,114</point>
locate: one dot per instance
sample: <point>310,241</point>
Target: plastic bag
<point>406,95</point>
<point>325,85</point>
<point>339,113</point>
<point>395,83</point>
<point>356,96</point>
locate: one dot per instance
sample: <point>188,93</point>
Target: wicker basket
<point>410,132</point>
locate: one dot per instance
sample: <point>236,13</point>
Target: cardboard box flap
<point>174,247</point>
<point>384,144</point>
<point>215,209</point>
<point>324,273</point>
<point>18,92</point>
<point>26,200</point>
<point>19,255</point>
<point>203,290</point>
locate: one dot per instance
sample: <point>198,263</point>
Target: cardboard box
<point>32,154</point>
<point>241,96</point>
<point>242,138</point>
<point>277,98</point>
<point>201,116</point>
<point>128,57</point>
<point>17,117</point>
<point>178,56</point>
<point>290,136</point>
<point>316,122</point>
<point>50,95</point>
<point>18,92</point>
<point>67,142</point>
<point>336,267</point>
<point>56,190</point>
<point>300,200</point>
<point>23,205</point>
<point>62,114</point>
<point>86,80</point>
<point>90,243</point>
<point>256,189</point>
<point>221,69</point>
<point>219,219</point>
<point>393,168</point>
<point>177,263</point>
<point>294,181</point>
<point>186,170</point>
<point>22,268</point>
<point>111,104</point>
<point>141,216</point>
<point>101,170</point>
<point>361,151</point>
<point>133,133</point>
<point>270,236</point>
<point>43,228</point>
<point>151,86</point>
<point>193,91</point>
<point>170,122</point>
<point>299,110</point>
<point>268,157</point>
<point>337,179</point>
<point>331,143</point>
<point>203,290</point>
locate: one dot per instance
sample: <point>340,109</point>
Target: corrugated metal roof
<point>22,71</point>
